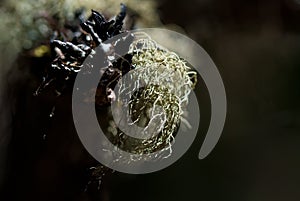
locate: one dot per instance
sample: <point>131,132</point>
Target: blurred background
<point>256,47</point>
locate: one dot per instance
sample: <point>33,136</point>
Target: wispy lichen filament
<point>157,106</point>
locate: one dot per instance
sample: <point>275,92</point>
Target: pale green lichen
<point>159,88</point>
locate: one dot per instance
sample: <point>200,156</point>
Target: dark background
<point>256,47</point>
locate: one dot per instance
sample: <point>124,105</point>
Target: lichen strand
<point>167,82</point>
<point>157,65</point>
<point>155,109</point>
